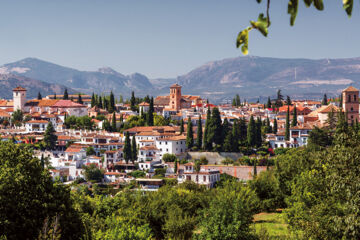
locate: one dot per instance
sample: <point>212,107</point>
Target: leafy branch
<point>263,23</point>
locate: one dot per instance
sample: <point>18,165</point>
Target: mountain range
<point>251,77</point>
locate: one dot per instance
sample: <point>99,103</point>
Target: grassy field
<point>271,225</point>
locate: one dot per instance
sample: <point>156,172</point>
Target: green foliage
<point>17,117</point>
<point>181,126</point>
<point>28,197</point>
<point>127,148</point>
<point>93,173</point>
<point>134,150</point>
<point>83,122</point>
<point>90,151</point>
<point>39,97</point>
<point>167,157</point>
<point>189,135</point>
<point>137,174</point>
<point>199,137</point>
<point>287,125</point>
<point>66,95</point>
<point>50,138</point>
<point>251,132</point>
<point>230,213</point>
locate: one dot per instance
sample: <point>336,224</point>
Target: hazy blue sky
<point>166,38</point>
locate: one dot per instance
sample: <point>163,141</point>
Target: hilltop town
<point>177,137</point>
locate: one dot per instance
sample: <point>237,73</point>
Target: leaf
<point>243,39</point>
<point>292,10</point>
<point>261,24</point>
<point>308,2</point>
<point>258,1</point>
<point>348,6</point>
<point>319,5</point>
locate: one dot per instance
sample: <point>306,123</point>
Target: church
<point>175,101</point>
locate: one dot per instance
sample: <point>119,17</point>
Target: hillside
<point>10,81</point>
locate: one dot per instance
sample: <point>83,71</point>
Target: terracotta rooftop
<point>19,89</point>
<point>350,89</point>
<point>67,104</point>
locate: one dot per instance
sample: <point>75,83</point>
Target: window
<point>204,178</point>
<point>167,150</point>
<point>349,98</point>
<point>354,98</point>
<point>352,109</point>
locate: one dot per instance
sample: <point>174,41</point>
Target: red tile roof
<point>67,104</point>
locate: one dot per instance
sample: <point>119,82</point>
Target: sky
<point>167,38</point>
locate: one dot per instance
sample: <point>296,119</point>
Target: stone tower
<point>19,98</point>
<point>175,97</point>
<point>351,104</point>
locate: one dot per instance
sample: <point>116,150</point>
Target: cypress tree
<point>235,136</point>
<point>66,95</point>
<point>127,148</point>
<point>341,101</point>
<point>133,150</point>
<point>113,122</point>
<point>93,100</point>
<point>112,103</point>
<point>150,114</point>
<point>325,100</point>
<point>288,101</point>
<point>42,161</point>
<point>207,144</point>
<point>181,126</point>
<point>49,137</point>
<point>105,103</point>
<point>215,128</point>
<point>234,102</point>
<point>100,105</point>
<point>275,128</point>
<point>243,129</point>
<point>258,132</point>
<point>268,105</point>
<point>226,128</point>
<point>238,102</point>
<point>255,169</point>
<point>251,132</point>
<point>121,99</point>
<point>175,166</point>
<point>199,138</point>
<point>189,135</point>
<point>268,126</point>
<point>287,125</point>
<point>294,120</point>
<point>39,97</point>
<point>80,99</point>
<point>55,96</point>
<point>228,142</point>
<point>132,101</point>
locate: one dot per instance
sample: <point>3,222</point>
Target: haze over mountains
<point>251,77</point>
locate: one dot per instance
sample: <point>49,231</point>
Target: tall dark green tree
<point>93,100</point>
<point>325,100</point>
<point>233,102</point>
<point>238,101</point>
<point>268,105</point>
<point>150,114</point>
<point>133,101</point>
<point>258,132</point>
<point>207,143</point>
<point>275,128</point>
<point>287,125</point>
<point>100,103</point>
<point>189,134</point>
<point>251,132</point>
<point>243,129</point>
<point>49,137</point>
<point>113,123</point>
<point>341,100</point>
<point>66,95</point>
<point>228,142</point>
<point>235,136</point>
<point>215,135</point>
<point>127,148</point>
<point>55,96</point>
<point>80,99</point>
<point>288,100</point>
<point>181,126</point>
<point>226,127</point>
<point>199,138</point>
<point>111,103</point>
<point>133,150</point>
<point>294,120</point>
<point>39,97</point>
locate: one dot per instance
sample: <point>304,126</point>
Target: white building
<point>172,145</point>
<point>203,177</point>
<point>38,126</point>
<point>19,98</point>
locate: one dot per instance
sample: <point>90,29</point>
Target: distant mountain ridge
<point>252,77</point>
<point>10,81</point>
<point>102,81</point>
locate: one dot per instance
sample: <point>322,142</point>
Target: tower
<point>19,98</point>
<point>351,104</point>
<point>175,97</point>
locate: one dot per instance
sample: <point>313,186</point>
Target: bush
<point>167,157</point>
